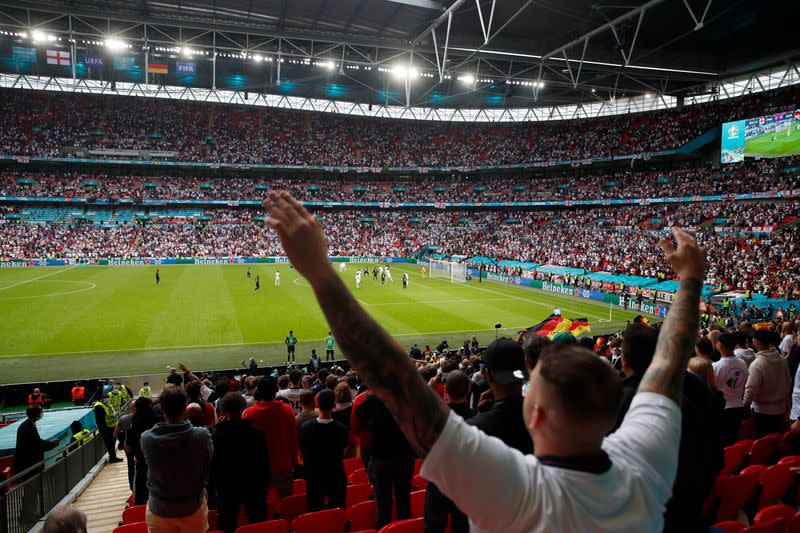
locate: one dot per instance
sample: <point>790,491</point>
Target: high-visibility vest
<point>78,393</point>
<point>83,436</point>
<point>115,400</point>
<point>144,392</point>
<point>111,420</point>
<point>39,399</point>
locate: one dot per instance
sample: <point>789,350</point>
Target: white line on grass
<point>196,346</point>
<point>76,291</point>
<point>34,279</point>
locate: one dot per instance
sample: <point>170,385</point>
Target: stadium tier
<point>251,281</point>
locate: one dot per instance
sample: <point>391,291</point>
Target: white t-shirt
<point>795,414</point>
<point>786,344</point>
<point>293,397</point>
<point>511,492</point>
<point>730,375</point>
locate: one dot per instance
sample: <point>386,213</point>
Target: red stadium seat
<point>794,524</point>
<point>357,494</point>
<point>328,521</point>
<point>733,494</point>
<point>729,526</point>
<point>212,519</point>
<point>351,465</point>
<point>134,514</point>
<point>138,527</point>
<point>756,470</point>
<point>418,504</point>
<point>773,526</point>
<point>412,525</point>
<point>418,483</point>
<point>417,466</point>
<point>789,460</point>
<point>293,506</point>
<point>270,526</point>
<point>776,481</point>
<point>772,512</point>
<point>358,477</point>
<point>299,486</point>
<point>362,516</point>
<point>273,503</point>
<point>735,456</point>
<point>366,531</point>
<point>765,449</point>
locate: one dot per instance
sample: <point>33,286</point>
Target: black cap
<point>506,361</point>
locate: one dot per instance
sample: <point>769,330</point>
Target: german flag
<point>157,68</point>
<point>555,324</point>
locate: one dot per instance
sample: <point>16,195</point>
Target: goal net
<point>456,272</point>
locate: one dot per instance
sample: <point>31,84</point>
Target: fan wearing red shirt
<point>276,421</point>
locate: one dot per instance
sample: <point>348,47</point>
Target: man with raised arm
<point>579,479</point>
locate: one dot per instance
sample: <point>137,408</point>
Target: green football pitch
<point>61,323</point>
<point>783,145</point>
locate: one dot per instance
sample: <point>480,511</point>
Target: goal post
<point>456,272</point>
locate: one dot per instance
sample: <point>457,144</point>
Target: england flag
<point>58,57</point>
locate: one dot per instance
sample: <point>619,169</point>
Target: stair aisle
<point>105,498</point>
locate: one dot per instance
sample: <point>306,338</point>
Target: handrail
<point>63,451</point>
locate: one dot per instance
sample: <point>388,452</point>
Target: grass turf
<point>784,145</point>
<point>62,323</point>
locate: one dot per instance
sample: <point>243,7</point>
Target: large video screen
<point>770,136</point>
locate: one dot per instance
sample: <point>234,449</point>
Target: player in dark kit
<point>248,272</point>
<point>375,274</point>
<point>258,282</point>
<point>158,278</point>
<point>383,277</point>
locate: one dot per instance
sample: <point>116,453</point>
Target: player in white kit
<point>389,274</point>
<point>342,267</point>
<point>358,279</point>
<point>277,279</point>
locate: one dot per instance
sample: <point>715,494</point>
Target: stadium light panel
<point>402,72</point>
<point>114,44</point>
<point>39,36</point>
<point>187,51</point>
<point>467,79</point>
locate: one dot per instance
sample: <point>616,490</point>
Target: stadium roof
<point>431,53</point>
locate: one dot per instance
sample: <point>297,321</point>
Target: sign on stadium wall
<point>146,261</point>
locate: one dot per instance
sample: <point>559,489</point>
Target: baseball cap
<point>323,373</point>
<point>505,359</point>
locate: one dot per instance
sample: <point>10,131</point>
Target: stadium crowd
<point>754,176</point>
<point>42,124</point>
<point>753,245</point>
<point>659,420</point>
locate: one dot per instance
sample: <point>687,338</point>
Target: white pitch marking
<point>34,279</point>
<point>92,286</point>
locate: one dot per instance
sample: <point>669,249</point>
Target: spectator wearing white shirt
<point>579,479</point>
<point>769,385</point>
<point>788,338</point>
<point>742,351</point>
<point>730,376</point>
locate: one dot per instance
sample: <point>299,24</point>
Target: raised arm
<point>372,352</point>
<point>674,348</point>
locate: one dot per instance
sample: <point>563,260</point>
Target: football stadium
<point>399,266</point>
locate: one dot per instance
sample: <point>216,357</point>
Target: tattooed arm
<point>379,360</point>
<point>675,341</point>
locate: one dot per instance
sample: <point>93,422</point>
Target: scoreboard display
<point>775,135</point>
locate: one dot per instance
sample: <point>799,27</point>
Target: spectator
<point>344,404</point>
<point>291,395</point>
<point>249,390</point>
<point>308,411</point>
<point>532,346</point>
<point>391,464</point>
<point>65,519</point>
<point>504,362</point>
<point>742,351</point>
<point>323,441</point>
<point>638,347</point>
<point>787,342</point>
<point>730,376</point>
<point>277,422</point>
<point>173,378</point>
<point>618,482</point>
<point>314,362</point>
<point>178,458</point>
<point>438,508</point>
<point>120,435</point>
<point>769,385</point>
<point>233,486</point>
<point>208,416</point>
<point>143,420</point>
<point>106,421</point>
<point>322,377</point>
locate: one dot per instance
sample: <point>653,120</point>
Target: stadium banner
<point>649,308</point>
<point>23,54</point>
<point>93,60</point>
<point>185,68</point>
<point>149,261</point>
<point>157,68</point>
<point>124,63</point>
